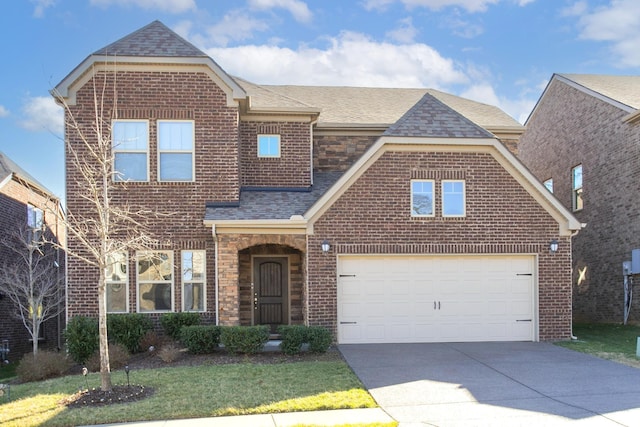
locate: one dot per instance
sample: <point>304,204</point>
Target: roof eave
<point>295,225</point>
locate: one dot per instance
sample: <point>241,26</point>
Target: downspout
<point>216,274</point>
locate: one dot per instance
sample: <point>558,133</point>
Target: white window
<point>130,143</point>
<point>35,223</point>
<point>117,283</point>
<point>175,150</point>
<point>155,281</point>
<point>193,280</point>
<point>268,145</point>
<point>453,198</point>
<point>576,186</point>
<point>549,184</point>
<point>422,198</point>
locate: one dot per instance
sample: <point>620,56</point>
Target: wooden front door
<point>271,291</point>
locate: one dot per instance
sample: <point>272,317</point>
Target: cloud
<point>3,111</point>
<point>618,24</point>
<point>237,25</point>
<point>518,108</point>
<point>468,5</point>
<point>171,6</point>
<point>297,8</point>
<point>405,33</point>
<point>350,59</point>
<point>41,6</point>
<point>41,113</point>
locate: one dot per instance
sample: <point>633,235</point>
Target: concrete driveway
<point>496,384</point>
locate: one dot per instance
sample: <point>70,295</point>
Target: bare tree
<point>99,229</point>
<point>31,279</point>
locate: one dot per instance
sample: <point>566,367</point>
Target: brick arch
<point>246,241</point>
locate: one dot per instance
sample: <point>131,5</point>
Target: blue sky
<point>500,52</point>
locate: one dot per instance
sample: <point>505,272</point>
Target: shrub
<point>319,339</point>
<point>200,339</point>
<point>293,336</point>
<point>128,329</point>
<point>45,364</point>
<point>244,339</point>
<point>173,322</point>
<point>81,335</point>
<point>118,357</point>
<point>151,339</point>
<point>169,353</point>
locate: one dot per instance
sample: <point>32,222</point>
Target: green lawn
<point>7,370</point>
<point>188,392</point>
<point>608,341</point>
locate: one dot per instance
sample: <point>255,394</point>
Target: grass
<point>189,392</point>
<point>7,370</point>
<point>608,341</point>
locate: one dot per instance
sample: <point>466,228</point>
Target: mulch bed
<point>97,397</point>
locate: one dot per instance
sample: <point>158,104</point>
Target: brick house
<point>582,141</point>
<point>23,200</point>
<point>386,215</point>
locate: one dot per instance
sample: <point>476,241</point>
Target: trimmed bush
<point>319,339</point>
<point>173,322</point>
<point>128,329</point>
<point>118,357</point>
<point>200,339</point>
<point>244,339</point>
<point>81,335</point>
<point>45,364</point>
<point>293,336</point>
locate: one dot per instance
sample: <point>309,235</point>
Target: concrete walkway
<point>496,384</point>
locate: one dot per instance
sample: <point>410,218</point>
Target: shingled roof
<point>9,167</point>
<point>623,89</point>
<point>432,118</point>
<point>155,40</point>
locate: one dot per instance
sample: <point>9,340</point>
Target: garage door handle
<point>524,274</point>
<point>523,320</point>
<point>347,275</point>
<point>348,323</point>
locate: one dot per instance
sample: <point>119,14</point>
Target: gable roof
<point>154,39</point>
<point>10,169</point>
<point>622,92</point>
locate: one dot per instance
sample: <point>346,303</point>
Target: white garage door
<point>387,299</point>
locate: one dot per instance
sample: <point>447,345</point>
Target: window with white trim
<point>155,281</point>
<point>422,200</point>
<point>175,150</point>
<point>453,198</point>
<point>268,145</point>
<point>193,280</point>
<point>576,188</point>
<point>549,184</point>
<point>130,144</point>
<point>117,280</point>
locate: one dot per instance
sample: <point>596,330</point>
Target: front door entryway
<point>270,291</point>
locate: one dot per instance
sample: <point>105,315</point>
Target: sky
<point>499,52</point>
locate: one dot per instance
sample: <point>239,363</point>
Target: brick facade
<point>570,127</point>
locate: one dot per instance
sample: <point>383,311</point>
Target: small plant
<point>244,339</point>
<point>319,339</point>
<point>169,353</point>
<point>118,357</point>
<point>293,336</point>
<point>172,323</point>
<point>200,339</point>
<point>128,329</point>
<point>45,364</point>
<point>151,340</point>
<point>81,335</point>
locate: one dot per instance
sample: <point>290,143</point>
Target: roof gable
<point>155,40</point>
<point>9,168</point>
<point>430,117</point>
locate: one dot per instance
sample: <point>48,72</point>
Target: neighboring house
<point>386,215</point>
<point>23,200</point>
<point>583,140</point>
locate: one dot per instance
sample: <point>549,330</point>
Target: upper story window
<point>193,280</point>
<point>268,145</point>
<point>155,281</point>
<point>422,198</point>
<point>35,223</point>
<point>576,188</point>
<point>117,279</point>
<point>549,184</point>
<point>453,198</point>
<point>130,143</point>
<point>175,150</point>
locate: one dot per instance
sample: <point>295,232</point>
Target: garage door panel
<point>435,298</point>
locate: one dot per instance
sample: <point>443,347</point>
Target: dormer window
<point>268,145</point>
